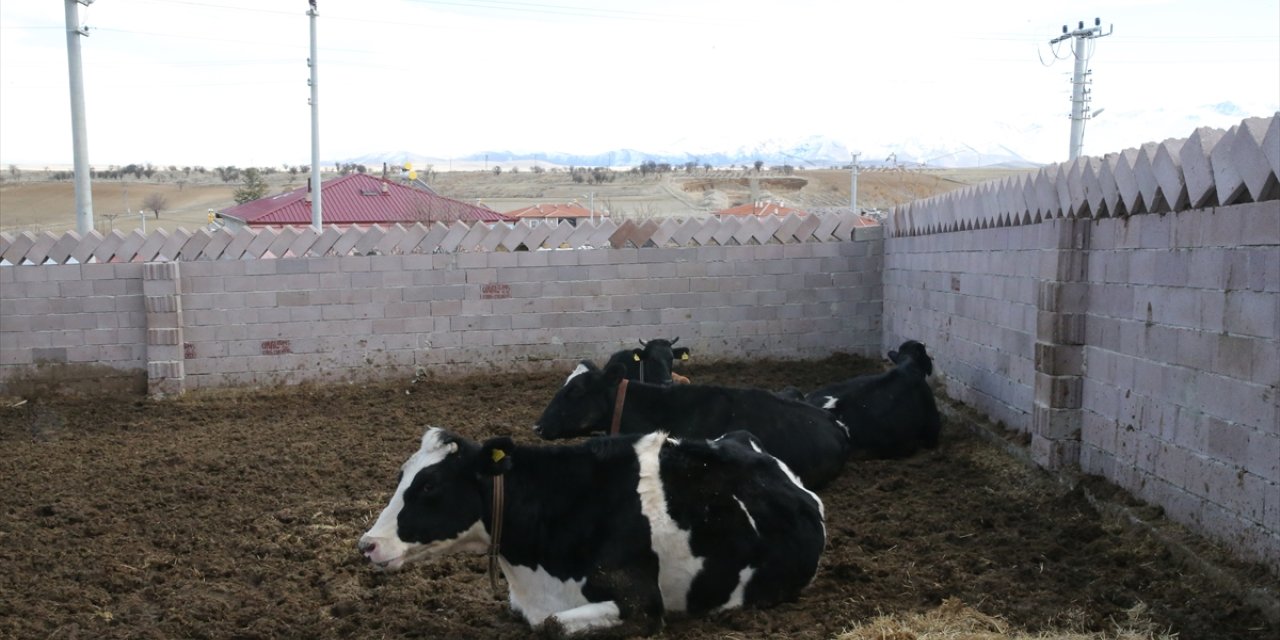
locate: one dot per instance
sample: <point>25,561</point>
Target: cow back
<point>809,440</point>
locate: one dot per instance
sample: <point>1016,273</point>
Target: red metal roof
<point>570,210</point>
<point>360,198</point>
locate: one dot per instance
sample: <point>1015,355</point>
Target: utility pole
<point>1080,92</point>
<point>79,136</point>
<point>853,185</point>
<point>317,219</point>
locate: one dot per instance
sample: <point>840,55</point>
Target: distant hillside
<point>814,152</point>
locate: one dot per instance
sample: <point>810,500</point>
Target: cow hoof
<point>552,629</point>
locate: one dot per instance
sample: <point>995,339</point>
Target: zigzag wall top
<point>1210,168</point>
<point>203,244</point>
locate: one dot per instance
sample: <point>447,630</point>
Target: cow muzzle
<point>380,554</point>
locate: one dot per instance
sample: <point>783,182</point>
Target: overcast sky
<point>216,82</point>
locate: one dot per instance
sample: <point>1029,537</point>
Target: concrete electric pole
<point>853,184</point>
<point>317,219</point>
<point>1081,48</point>
<point>79,135</point>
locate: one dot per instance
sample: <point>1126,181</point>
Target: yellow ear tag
<point>498,455</point>
<point>684,356</point>
<point>636,356</point>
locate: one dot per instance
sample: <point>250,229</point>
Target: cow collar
<point>617,408</point>
<point>495,540</point>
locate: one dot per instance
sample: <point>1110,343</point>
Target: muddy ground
<point>234,514</point>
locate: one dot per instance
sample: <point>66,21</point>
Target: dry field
<point>34,203</point>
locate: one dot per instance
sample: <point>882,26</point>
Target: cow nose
<point>366,546</point>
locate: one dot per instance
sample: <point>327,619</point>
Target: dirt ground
<point>234,514</point>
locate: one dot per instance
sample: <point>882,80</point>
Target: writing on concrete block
<point>495,291</point>
<point>276,347</point>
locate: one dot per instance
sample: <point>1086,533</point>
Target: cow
<point>809,440</point>
<point>653,362</point>
<point>890,414</point>
<point>605,536</point>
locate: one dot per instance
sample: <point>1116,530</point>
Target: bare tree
<point>156,202</point>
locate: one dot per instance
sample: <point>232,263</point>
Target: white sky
<point>216,82</point>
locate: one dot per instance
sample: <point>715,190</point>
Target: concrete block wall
<point>970,297</point>
<point>1182,368</point>
<point>87,319</point>
<point>1144,349</point>
<point>209,323</point>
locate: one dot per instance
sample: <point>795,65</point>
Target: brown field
<point>34,203</point>
<point>234,514</point>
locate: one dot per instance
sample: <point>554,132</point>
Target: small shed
<point>572,212</point>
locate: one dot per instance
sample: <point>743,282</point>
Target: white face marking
<point>830,403</point>
<point>589,617</point>
<point>735,598</point>
<point>582,368</point>
<point>748,514</point>
<point>677,566</point>
<point>392,552</point>
<point>537,594</point>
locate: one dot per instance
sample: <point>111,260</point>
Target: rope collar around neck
<point>495,540</point>
<point>617,408</point>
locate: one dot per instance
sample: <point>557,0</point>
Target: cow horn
<point>642,343</point>
<point>676,340</point>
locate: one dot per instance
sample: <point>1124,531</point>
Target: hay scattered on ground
<point>954,620</point>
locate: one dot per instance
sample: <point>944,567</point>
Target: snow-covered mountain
<point>810,152</point>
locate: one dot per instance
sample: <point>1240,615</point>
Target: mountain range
<point>812,152</point>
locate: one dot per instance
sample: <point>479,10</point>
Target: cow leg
<point>592,617</point>
<point>600,620</point>
<point>627,604</point>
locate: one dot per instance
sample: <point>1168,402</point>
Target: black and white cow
<point>890,414</point>
<point>652,363</point>
<point>609,534</point>
<point>811,441</point>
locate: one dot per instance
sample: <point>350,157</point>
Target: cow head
<point>438,505</point>
<point>583,404</point>
<point>914,351</point>
<point>658,355</point>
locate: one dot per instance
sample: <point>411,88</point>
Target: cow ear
<point>681,353</point>
<point>495,456</point>
<point>637,354</point>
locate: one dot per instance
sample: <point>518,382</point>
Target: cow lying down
<point>653,362</point>
<point>608,534</point>
<point>890,414</point>
<point>810,440</point>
